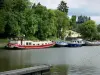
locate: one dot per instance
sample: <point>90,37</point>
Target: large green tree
<point>62,23</point>
<point>73,22</point>
<point>1,4</point>
<point>98,28</point>
<point>82,19</point>
<point>14,16</point>
<point>63,7</point>
<point>88,29</point>
<point>19,17</point>
<point>2,21</point>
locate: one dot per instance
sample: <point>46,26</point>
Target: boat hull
<point>30,47</point>
<point>92,43</point>
<point>74,45</point>
<point>59,45</point>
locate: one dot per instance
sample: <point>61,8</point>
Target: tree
<point>20,5</point>
<point>82,19</point>
<point>1,4</point>
<point>63,7</point>
<point>14,18</point>
<point>31,25</point>
<point>11,26</point>
<point>88,29</point>
<point>2,21</point>
<point>62,23</point>
<point>98,28</point>
<point>73,22</point>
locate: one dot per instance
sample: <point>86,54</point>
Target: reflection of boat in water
<point>28,44</point>
<point>93,43</point>
<point>76,43</point>
<point>61,44</point>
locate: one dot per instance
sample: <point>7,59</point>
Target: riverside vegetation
<point>35,21</point>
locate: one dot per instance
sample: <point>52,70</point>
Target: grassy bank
<point>3,42</point>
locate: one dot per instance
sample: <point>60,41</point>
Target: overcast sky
<point>76,7</point>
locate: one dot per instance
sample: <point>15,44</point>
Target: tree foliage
<point>73,22</point>
<point>98,28</point>
<point>63,7</point>
<point>88,29</point>
<point>20,17</point>
<point>82,19</point>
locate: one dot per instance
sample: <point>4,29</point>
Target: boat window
<point>33,44</point>
<point>29,43</point>
<point>37,44</point>
<point>78,41</point>
<point>26,43</point>
<point>45,43</point>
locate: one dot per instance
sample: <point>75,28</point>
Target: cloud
<point>96,18</point>
<point>76,7</point>
<point>90,5</point>
<point>52,4</point>
<point>82,11</point>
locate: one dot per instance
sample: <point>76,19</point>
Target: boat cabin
<point>77,41</point>
<point>30,43</point>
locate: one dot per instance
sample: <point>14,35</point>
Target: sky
<point>76,7</point>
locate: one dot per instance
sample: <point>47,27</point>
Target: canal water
<point>66,61</point>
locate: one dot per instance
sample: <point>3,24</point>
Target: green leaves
<point>73,22</point>
<point>19,18</point>
<point>88,29</point>
<point>63,7</point>
<point>2,21</point>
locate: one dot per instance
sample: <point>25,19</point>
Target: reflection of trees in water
<point>10,60</point>
<point>59,70</point>
<point>4,64</point>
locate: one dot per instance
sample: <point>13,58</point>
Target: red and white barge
<point>28,44</point>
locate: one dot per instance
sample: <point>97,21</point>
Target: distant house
<point>72,34</point>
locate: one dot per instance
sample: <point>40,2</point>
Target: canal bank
<point>36,70</point>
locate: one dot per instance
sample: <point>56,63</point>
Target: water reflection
<point>83,70</point>
<point>59,70</point>
<point>10,59</point>
<point>81,61</point>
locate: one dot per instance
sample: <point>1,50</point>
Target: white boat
<point>76,43</point>
<point>61,44</point>
<point>92,43</point>
<point>24,44</point>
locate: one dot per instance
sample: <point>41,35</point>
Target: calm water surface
<point>81,61</point>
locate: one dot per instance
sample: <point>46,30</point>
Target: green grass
<point>3,42</point>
